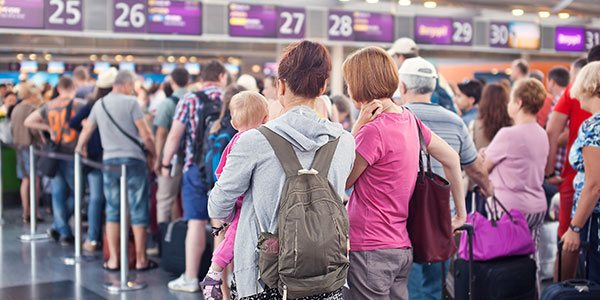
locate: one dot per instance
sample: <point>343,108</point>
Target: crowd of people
<point>227,153</point>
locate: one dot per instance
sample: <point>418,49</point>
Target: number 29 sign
<point>64,14</point>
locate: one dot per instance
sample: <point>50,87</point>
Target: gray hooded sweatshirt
<point>253,170</point>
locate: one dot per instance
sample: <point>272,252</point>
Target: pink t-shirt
<point>378,206</point>
<point>519,155</point>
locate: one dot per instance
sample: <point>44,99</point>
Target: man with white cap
<point>403,49</point>
<point>417,83</point>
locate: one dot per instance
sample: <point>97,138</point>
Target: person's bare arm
<point>479,174</point>
<point>554,129</point>
<point>563,139</point>
<point>172,144</point>
<point>84,137</point>
<point>159,144</point>
<point>442,152</point>
<point>146,136</point>
<point>360,165</point>
<point>35,121</point>
<point>589,196</point>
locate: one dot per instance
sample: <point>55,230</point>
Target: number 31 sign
<point>64,14</point>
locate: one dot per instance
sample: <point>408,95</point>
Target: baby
<point>249,110</point>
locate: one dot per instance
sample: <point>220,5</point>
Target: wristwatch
<point>575,228</point>
<point>166,166</point>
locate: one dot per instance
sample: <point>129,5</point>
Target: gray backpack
<point>308,253</point>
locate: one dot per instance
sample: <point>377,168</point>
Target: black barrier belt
<point>85,161</point>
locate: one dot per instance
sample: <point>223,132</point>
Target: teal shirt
<point>166,110</point>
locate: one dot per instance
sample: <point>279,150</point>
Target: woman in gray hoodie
<point>253,169</point>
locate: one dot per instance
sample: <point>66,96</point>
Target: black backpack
<point>207,116</point>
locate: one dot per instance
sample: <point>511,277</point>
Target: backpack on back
<point>214,145</point>
<point>440,96</point>
<point>206,117</point>
<point>308,253</point>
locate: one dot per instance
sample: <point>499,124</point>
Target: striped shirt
<point>187,113</point>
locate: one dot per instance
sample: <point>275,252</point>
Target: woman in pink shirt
<point>384,174</point>
<point>516,157</point>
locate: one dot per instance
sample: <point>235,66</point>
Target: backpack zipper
<point>284,292</point>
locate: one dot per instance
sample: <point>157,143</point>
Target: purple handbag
<point>504,236</point>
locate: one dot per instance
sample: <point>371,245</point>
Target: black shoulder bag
<point>47,165</point>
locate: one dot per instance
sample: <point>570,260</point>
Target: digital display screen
<point>167,68</point>
<point>443,31</point>
<point>57,67</point>
<point>516,35</point>
<point>127,65</point>
<point>193,68</point>
<point>22,13</point>
<point>101,66</point>
<point>175,17</point>
<point>267,21</point>
<point>29,66</point>
<point>360,26</point>
<point>570,39</point>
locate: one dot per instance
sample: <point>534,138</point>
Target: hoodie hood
<point>302,127</point>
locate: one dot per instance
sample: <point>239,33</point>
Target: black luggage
<point>507,278</point>
<point>172,248</point>
<point>579,289</point>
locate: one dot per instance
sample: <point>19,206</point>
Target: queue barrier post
<point>124,284</point>
<point>78,171</point>
<point>32,236</point>
<point>1,190</point>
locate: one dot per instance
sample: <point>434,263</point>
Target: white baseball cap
<point>403,46</point>
<point>248,82</point>
<point>418,66</point>
<point>106,79</point>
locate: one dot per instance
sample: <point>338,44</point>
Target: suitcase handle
<point>469,229</point>
<point>583,246</point>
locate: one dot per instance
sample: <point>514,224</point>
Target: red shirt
<point>572,108</point>
<point>542,115</point>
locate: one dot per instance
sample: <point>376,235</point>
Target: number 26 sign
<point>129,16</point>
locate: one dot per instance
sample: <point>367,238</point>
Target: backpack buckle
<point>308,172</point>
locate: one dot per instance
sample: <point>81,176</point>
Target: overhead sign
<point>175,17</point>
<point>266,21</point>
<point>129,15</point>
<point>569,39</point>
<point>443,31</point>
<point>22,13</point>
<point>592,38</point>
<point>64,14</point>
<point>516,35</point>
<point>360,26</point>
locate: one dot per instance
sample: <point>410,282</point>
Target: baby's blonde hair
<point>587,83</point>
<point>248,109</point>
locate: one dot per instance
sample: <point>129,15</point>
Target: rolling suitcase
<point>579,289</point>
<point>504,278</point>
<point>172,248</point>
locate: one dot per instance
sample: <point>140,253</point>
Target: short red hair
<point>305,67</point>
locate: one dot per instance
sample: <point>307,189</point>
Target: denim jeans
<point>63,198</point>
<point>138,190</point>
<point>425,281</point>
<point>95,205</point>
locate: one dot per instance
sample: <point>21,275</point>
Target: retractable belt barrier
<point>124,283</point>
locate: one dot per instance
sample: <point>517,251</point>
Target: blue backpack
<point>441,97</point>
<point>214,145</point>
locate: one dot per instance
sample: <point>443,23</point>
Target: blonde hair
<point>248,109</point>
<point>371,74</point>
<point>28,90</point>
<point>587,82</point>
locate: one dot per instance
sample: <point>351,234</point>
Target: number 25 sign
<point>64,14</point>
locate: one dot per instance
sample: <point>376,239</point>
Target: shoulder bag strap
<point>324,157</point>
<point>423,150</point>
<point>131,138</point>
<point>283,150</point>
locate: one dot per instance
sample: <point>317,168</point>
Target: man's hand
<point>555,180</point>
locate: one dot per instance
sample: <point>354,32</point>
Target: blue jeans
<point>63,198</point>
<point>425,281</point>
<point>138,190</point>
<point>194,195</point>
<point>591,234</point>
<point>95,205</point>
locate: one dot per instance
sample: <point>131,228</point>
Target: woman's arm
<point>360,165</point>
<point>450,160</point>
<point>76,121</point>
<point>589,196</point>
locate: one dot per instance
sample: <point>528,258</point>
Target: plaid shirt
<point>187,113</point>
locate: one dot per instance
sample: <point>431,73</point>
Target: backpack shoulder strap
<point>324,157</point>
<point>283,150</point>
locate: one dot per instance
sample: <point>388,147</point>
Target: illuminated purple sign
<point>360,26</point>
<point>64,14</point>
<point>443,31</point>
<point>22,13</point>
<point>129,16</point>
<point>175,17</point>
<point>569,39</point>
<point>373,27</point>
<point>592,38</point>
<point>266,21</point>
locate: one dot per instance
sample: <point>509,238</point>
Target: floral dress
<point>589,136</point>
